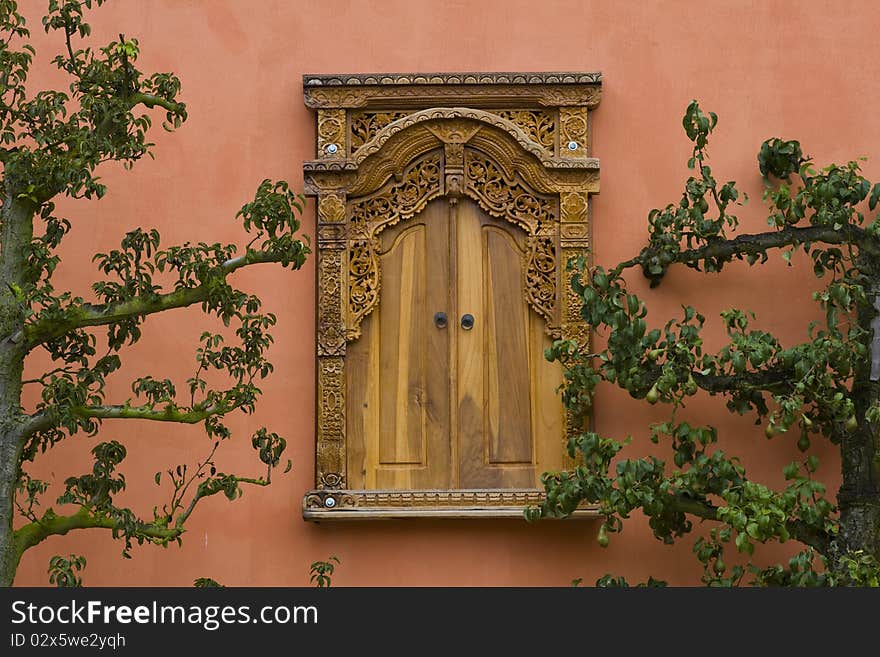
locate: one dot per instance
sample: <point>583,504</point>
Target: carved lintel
<point>503,90</point>
<point>588,97</point>
<point>452,80</point>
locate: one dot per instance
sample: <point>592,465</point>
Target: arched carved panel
<point>518,146</point>
<point>510,199</point>
<point>399,199</point>
<point>539,126</point>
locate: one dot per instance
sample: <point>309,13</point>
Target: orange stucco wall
<point>796,70</point>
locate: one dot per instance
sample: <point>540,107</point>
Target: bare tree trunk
<point>9,555</point>
<point>16,233</point>
<point>859,495</point>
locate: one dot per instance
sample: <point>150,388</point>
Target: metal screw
<point>572,145</point>
<point>329,502</point>
<point>331,148</point>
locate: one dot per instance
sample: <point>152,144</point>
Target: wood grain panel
<point>507,434</point>
<point>548,414</point>
<point>399,383</point>
<point>361,425</point>
<point>402,347</point>
<point>471,357</point>
<point>495,436</point>
<point>510,415</point>
<point>419,394</point>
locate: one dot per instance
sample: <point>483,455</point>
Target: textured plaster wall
<point>797,70</point>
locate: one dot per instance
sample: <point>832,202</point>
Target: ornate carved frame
<point>519,145</point>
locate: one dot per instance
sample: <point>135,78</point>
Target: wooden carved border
<point>518,144</point>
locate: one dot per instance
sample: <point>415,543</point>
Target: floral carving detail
<point>502,197</point>
<point>539,125</point>
<point>573,129</point>
<point>331,335</point>
<point>331,480</point>
<point>331,416</point>
<point>319,499</point>
<point>365,125</point>
<point>331,130</point>
<point>574,207</point>
<point>363,283</point>
<point>479,117</point>
<point>541,277</point>
<point>331,209</point>
<point>399,199</point>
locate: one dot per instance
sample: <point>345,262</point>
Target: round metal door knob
<point>440,320</point>
<point>467,322</point>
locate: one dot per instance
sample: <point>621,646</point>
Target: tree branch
<point>50,525</point>
<point>750,244</point>
<point>100,315</point>
<point>771,380</point>
<point>48,418</point>
<point>797,529</point>
<point>35,423</point>
<point>151,101</point>
<point>169,414</point>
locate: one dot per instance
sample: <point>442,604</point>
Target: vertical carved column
<point>332,241</point>
<point>331,134</point>
<point>573,132</point>
<point>574,242</point>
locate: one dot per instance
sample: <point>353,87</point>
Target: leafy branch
<point>813,389</point>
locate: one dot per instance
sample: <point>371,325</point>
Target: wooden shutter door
<point>451,407</point>
<point>509,416</point>
<point>398,376</point>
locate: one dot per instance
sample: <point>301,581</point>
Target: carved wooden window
<point>448,206</point>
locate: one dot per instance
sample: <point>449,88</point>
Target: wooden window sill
<point>319,505</point>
